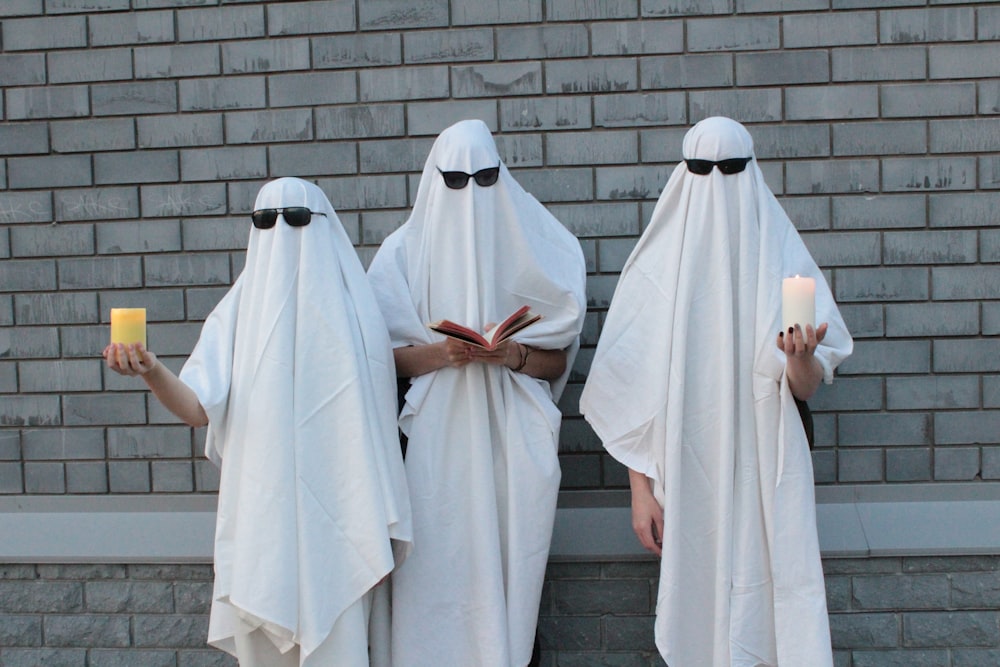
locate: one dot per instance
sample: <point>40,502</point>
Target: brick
<point>21,8</point>
<point>908,464</point>
<point>44,478</point>
<point>18,207</point>
<point>963,61</point>
<point>132,658</point>
<point>79,341</point>
<point>366,192</point>
<point>950,629</point>
<point>172,477</point>
<point>49,171</point>
<point>244,127</point>
<point>963,209</point>
<point>932,319</point>
<point>900,592</point>
<point>989,246</point>
<point>558,185</point>
<point>27,275</point>
<point>937,99</point>
<point>930,247</point>
<point>183,200</point>
<point>215,234</point>
<point>989,172</point>
<point>757,105</point>
<point>179,131</point>
<point>270,55</point>
<point>303,18</point>
<point>509,11</point>
<point>616,183</point>
<point>599,219</point>
<point>541,41</point>
<point>911,658</point>
<point>989,97</point>
<point>73,6</point>
<point>791,141</point>
<point>128,477</point>
<point>965,136</point>
<point>11,482</point>
<point>573,148</point>
<point>205,658</point>
<point>86,477</point>
<point>425,118</point>
<point>520,150</point>
<point>882,284</point>
<point>125,99</point>
<point>411,83</point>
<point>149,442</point>
<point>116,597</point>
<point>612,255</point>
<point>581,10</point>
<point>29,342</point>
<point>879,64</point>
<point>884,429</point>
<point>206,94</point>
<point>975,590</point>
<point>626,38</point>
<point>194,597</point>
<point>824,468</point>
<point>135,167</point>
<point>51,240</point>
<point>627,632</point>
<point>686,71</point>
<point>10,441</point>
<point>880,138</point>
<point>85,136</point>
<point>834,102</point>
<point>377,226</point>
<point>119,29</point>
<point>840,29</point>
<point>570,633</point>
<point>902,174</point>
<point>92,65</point>
<point>991,391</point>
<point>353,51</point>
<point>849,394</point>
<point>316,88</point>
<point>965,282</point>
<point>630,110</point>
<point>393,15</point>
<point>863,320</point>
<point>44,34</point>
<point>206,476</point>
<point>752,6</point>
<point>967,428</point>
<point>59,376</point>
<point>685,7</point>
<point>864,630</point>
<point>497,80</point>
<point>85,630</point>
<point>157,62</point>
<point>103,409</point>
<point>604,75</point>
<point>956,463</point>
<point>22,69</point>
<point>222,164</point>
<point>170,630</point>
<point>453,45</point>
<point>927,25</point>
<point>733,34</point>
<point>829,176</point>
<point>540,114</point>
<point>48,102</point>
<point>104,272</point>
<point>808,213</point>
<point>217,24</point>
<point>600,289</point>
<point>138,237</point>
<point>366,121</point>
<point>24,139</point>
<point>845,248</point>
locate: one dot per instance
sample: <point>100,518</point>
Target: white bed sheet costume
<point>481,460</point>
<point>688,387</point>
<point>295,371</point>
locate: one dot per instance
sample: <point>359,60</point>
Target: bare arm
<point>804,371</point>
<point>176,396</point>
<point>420,359</point>
<point>647,515</point>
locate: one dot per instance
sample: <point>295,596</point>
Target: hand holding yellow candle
<point>798,302</point>
<point>128,325</point>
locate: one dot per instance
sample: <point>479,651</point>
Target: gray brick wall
<point>134,135</point>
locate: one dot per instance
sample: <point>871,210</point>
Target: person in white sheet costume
<point>481,460</point>
<point>690,391</point>
<point>293,373</point>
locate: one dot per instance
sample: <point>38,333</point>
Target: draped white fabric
<point>688,387</point>
<point>482,459</point>
<point>295,371</point>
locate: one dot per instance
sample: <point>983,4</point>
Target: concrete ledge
<point>854,522</point>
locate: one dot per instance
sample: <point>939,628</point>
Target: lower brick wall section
<point>884,612</point>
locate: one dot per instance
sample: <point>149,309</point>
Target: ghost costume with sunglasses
<point>293,374</point>
<point>483,428</point>
<point>692,388</point>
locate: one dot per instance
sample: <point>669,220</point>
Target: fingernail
<point>781,334</point>
<point>791,330</point>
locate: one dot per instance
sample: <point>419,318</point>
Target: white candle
<point>798,302</point>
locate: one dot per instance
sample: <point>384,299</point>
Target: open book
<point>519,319</point>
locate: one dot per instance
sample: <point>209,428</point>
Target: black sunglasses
<point>456,180</point>
<point>296,216</point>
<point>733,165</point>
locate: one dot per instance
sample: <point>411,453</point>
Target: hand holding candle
<point>798,303</point>
<point>128,326</point>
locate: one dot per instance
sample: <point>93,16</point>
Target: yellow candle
<point>128,325</point>
<point>798,302</point>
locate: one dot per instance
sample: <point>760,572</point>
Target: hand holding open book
<point>490,340</point>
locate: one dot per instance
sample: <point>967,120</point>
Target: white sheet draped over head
<point>482,455</point>
<point>295,371</point>
<point>687,386</point>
